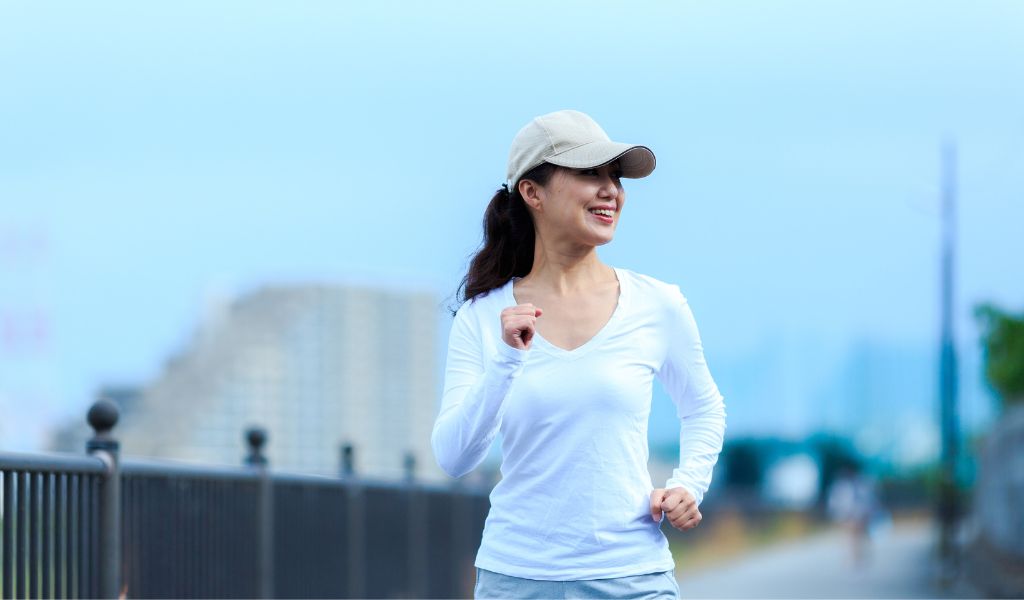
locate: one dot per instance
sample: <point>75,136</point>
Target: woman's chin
<point>594,237</point>
<point>601,240</point>
<point>604,236</point>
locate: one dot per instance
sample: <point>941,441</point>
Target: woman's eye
<point>616,175</point>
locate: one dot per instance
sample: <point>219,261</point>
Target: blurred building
<point>317,366</point>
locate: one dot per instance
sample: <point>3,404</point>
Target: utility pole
<point>947,501</point>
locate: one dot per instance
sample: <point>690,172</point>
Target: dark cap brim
<point>635,161</point>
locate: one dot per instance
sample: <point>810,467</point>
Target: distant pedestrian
<point>558,352</point>
<point>852,501</point>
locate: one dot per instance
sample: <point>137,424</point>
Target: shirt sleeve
<point>472,405</point>
<point>699,405</point>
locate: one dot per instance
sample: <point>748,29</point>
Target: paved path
<point>900,566</point>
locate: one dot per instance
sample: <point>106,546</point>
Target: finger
<point>687,522</point>
<point>515,327</point>
<point>683,524</point>
<point>520,309</point>
<point>671,502</point>
<point>676,513</point>
<point>519,320</point>
<point>680,500</point>
<point>691,524</point>
<point>682,512</point>
<point>520,327</point>
<point>657,496</point>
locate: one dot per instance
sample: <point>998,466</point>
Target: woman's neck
<point>567,272</point>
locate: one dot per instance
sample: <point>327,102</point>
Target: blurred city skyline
<point>156,159</point>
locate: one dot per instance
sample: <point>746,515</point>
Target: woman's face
<point>581,205</point>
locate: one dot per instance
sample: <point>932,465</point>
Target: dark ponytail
<point>507,249</point>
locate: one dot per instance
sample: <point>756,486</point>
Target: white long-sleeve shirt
<point>574,499</point>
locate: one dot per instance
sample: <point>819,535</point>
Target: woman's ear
<point>532,194</point>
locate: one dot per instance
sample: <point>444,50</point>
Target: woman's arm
<point>475,388</point>
<point>699,405</point>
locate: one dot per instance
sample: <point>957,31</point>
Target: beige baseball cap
<point>569,138</point>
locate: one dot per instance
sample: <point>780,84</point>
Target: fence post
<point>348,468</point>
<point>356,525</point>
<point>417,514</point>
<point>409,467</point>
<point>256,438</point>
<point>102,417</point>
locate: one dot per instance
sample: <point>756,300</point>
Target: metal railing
<point>96,526</point>
<point>50,521</point>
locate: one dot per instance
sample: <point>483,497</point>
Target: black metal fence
<point>92,526</point>
<point>50,521</point>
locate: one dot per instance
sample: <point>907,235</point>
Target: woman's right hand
<point>518,324</point>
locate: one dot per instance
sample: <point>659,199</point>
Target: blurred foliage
<point>835,453</point>
<point>743,464</point>
<point>747,460</point>
<point>917,488</point>
<point>1002,339</point>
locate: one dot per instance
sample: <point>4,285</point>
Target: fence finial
<point>256,437</point>
<point>102,417</point>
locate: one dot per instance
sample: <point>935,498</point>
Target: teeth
<point>603,211</point>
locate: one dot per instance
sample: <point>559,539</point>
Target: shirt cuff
<point>510,354</point>
<point>675,483</point>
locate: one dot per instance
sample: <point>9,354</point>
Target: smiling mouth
<point>604,215</point>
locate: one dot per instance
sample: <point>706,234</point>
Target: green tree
<point>1002,339</point>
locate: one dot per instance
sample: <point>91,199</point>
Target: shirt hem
<point>575,574</point>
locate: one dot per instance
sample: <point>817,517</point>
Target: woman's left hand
<point>678,505</point>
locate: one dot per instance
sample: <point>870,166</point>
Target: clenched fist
<point>518,324</point>
<point>678,505</point>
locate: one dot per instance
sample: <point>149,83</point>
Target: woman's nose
<point>609,187</point>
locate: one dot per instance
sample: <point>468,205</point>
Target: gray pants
<point>653,586</point>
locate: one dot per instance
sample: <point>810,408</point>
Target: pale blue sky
<point>167,150</point>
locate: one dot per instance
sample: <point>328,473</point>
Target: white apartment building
<point>317,366</point>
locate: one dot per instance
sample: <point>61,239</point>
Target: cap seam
<point>547,134</point>
<point>573,148</point>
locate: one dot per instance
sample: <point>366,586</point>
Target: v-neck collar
<point>540,343</point>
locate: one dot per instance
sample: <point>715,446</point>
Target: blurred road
<point>899,566</point>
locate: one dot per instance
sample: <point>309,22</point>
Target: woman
<point>558,352</point>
